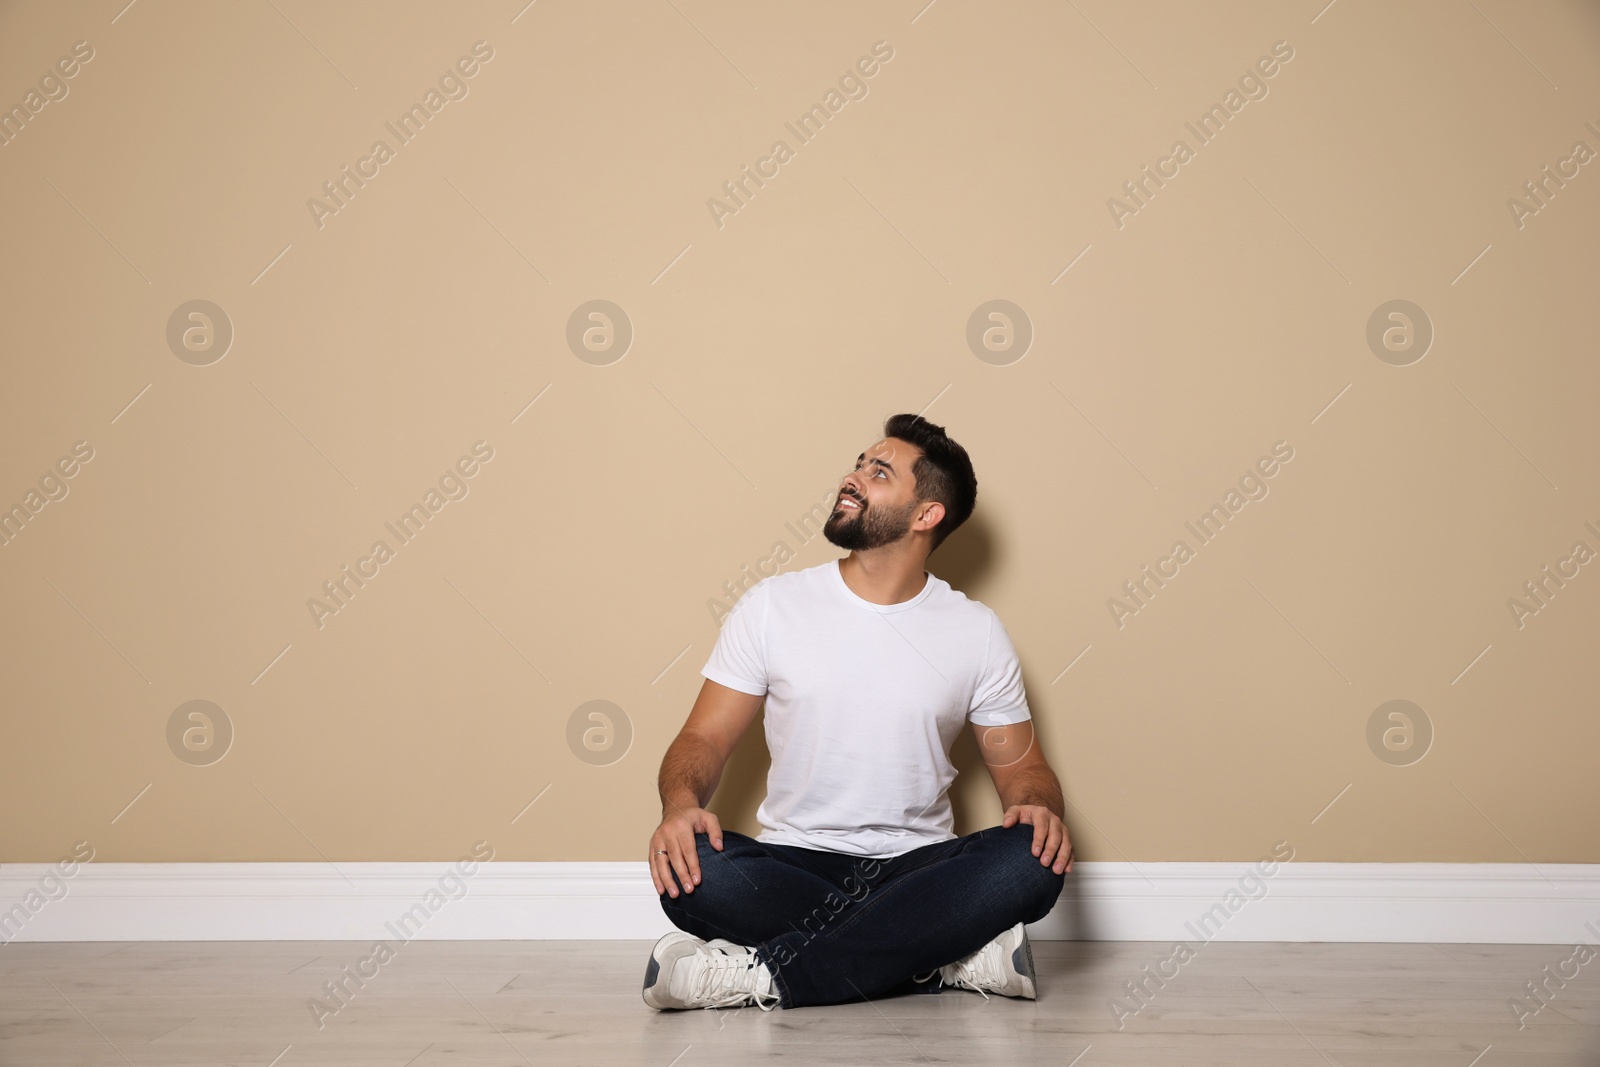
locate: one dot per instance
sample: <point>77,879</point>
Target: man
<point>869,667</point>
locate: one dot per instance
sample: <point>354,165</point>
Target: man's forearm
<point>1035,785</point>
<point>689,773</point>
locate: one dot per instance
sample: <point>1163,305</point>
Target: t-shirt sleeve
<point>739,659</point>
<point>999,699</point>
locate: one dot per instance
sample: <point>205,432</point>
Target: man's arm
<point>1026,784</point>
<point>693,763</point>
<point>1017,765</point>
<point>690,771</point>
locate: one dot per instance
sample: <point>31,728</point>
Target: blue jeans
<point>834,928</point>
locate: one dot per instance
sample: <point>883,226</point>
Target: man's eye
<point>882,473</point>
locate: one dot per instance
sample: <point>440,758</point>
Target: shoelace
<point>980,970</point>
<point>731,979</point>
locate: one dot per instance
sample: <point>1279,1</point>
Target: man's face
<point>883,486</point>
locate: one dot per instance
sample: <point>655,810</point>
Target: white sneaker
<point>686,972</point>
<point>1004,966</point>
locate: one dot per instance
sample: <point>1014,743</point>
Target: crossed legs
<point>834,928</point>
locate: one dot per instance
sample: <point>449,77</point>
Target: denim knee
<point>1040,884</point>
<point>709,859</point>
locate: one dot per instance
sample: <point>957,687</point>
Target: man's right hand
<point>675,835</point>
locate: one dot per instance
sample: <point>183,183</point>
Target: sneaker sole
<point>1022,963</point>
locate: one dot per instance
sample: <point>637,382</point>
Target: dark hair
<point>943,472</point>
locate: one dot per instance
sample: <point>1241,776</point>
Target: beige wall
<point>374,346</point>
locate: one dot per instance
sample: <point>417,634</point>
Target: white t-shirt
<point>863,702</point>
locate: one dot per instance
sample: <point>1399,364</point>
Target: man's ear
<point>932,515</point>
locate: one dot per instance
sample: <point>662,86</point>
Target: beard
<point>859,531</point>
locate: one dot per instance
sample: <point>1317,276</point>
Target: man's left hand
<point>1049,833</point>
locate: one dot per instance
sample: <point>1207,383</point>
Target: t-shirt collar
<point>882,609</point>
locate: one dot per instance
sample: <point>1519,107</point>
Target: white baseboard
<point>1556,903</point>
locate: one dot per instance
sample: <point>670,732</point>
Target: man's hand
<point>676,836</point>
<point>1049,833</point>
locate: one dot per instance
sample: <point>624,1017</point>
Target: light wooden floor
<point>528,1003</point>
